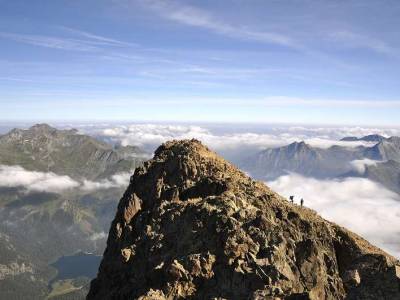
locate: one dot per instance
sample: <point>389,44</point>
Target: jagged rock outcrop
<point>191,225</point>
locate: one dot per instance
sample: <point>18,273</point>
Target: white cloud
<point>98,236</point>
<point>359,204</point>
<point>116,181</point>
<point>78,41</point>
<point>16,176</point>
<point>49,41</point>
<point>359,165</point>
<point>196,17</point>
<point>102,40</point>
<point>149,136</point>
<point>356,40</point>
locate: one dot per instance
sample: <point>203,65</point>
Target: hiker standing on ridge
<point>301,202</point>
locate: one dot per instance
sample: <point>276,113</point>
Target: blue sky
<point>317,62</point>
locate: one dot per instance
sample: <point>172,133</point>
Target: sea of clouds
<point>358,204</point>
<point>150,136</point>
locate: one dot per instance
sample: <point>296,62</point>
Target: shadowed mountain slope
<point>388,149</point>
<point>299,157</point>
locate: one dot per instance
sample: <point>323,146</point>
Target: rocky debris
<point>191,225</point>
<point>14,269</point>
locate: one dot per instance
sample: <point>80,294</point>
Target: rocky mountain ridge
<point>66,152</point>
<point>368,138</point>
<point>332,162</point>
<point>192,226</point>
<point>388,149</point>
<point>301,158</point>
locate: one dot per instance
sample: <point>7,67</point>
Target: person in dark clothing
<point>301,202</point>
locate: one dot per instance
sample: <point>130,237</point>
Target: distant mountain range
<point>66,152</point>
<point>302,158</point>
<point>368,138</point>
<point>38,227</point>
<point>335,161</point>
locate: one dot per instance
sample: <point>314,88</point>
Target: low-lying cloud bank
<point>359,165</point>
<point>150,136</point>
<point>117,180</point>
<point>16,176</point>
<point>359,204</point>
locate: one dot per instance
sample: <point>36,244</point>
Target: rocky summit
<point>191,225</point>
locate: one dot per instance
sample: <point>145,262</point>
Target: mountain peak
<point>191,225</point>
<point>300,144</point>
<point>42,127</point>
<point>177,148</point>
<point>192,153</point>
<point>188,169</point>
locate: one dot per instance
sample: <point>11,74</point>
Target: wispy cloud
<point>16,79</point>
<point>272,101</point>
<point>80,40</point>
<point>101,39</point>
<point>351,39</point>
<point>196,17</point>
<point>50,41</point>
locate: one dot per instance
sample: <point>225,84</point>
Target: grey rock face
<point>387,173</point>
<point>190,225</point>
<point>388,149</point>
